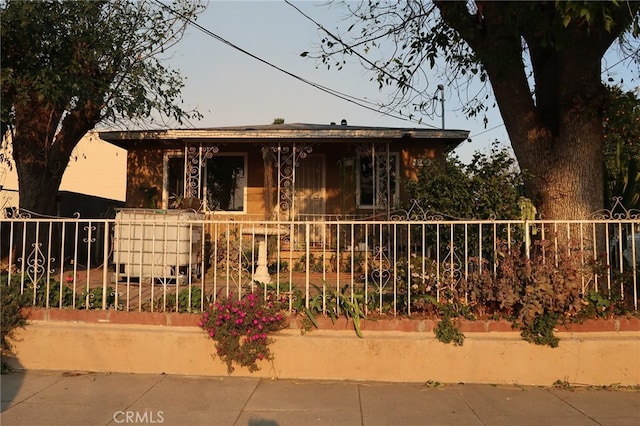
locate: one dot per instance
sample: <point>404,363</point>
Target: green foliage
<point>68,65</point>
<point>241,329</point>
<point>59,295</point>
<point>189,300</point>
<point>447,332</point>
<point>351,306</point>
<point>315,264</point>
<point>540,330</point>
<point>534,291</point>
<point>490,186</point>
<point>498,54</point>
<point>12,316</point>
<point>103,53</point>
<point>92,299</point>
<point>452,38</point>
<point>622,148</point>
<point>450,308</point>
<point>292,297</point>
<point>599,304</point>
<point>336,303</point>
<point>54,294</point>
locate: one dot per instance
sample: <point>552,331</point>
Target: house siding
<point>145,172</point>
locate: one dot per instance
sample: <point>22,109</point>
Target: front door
<point>309,202</point>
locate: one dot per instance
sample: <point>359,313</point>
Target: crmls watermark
<point>145,417</point>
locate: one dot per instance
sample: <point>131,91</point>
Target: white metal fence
<point>151,260</point>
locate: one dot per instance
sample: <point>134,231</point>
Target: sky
<point>231,88</point>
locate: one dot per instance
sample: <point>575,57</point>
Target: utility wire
<point>349,98</point>
<point>349,48</point>
<point>486,131</point>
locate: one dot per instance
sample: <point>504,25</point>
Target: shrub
<point>189,300</point>
<point>241,329</point>
<point>94,298</point>
<point>535,292</point>
<point>12,315</point>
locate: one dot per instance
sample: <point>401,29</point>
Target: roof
<point>318,132</point>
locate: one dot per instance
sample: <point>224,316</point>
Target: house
<point>93,184</point>
<point>313,177</point>
<point>282,171</point>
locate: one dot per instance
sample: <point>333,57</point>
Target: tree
<point>542,59</point>
<point>489,187</point>
<point>69,65</point>
<point>622,148</point>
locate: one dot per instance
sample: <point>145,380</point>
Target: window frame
<point>169,154</point>
<point>245,167</point>
<point>395,189</point>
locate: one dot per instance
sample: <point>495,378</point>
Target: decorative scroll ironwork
<point>195,157</point>
<point>417,213</point>
<point>382,166</point>
<point>381,267</point>
<point>35,263</point>
<point>617,212</point>
<point>90,238</point>
<point>452,265</point>
<point>15,213</point>
<point>288,159</point>
<point>116,296</point>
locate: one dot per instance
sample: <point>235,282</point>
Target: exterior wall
<point>96,168</point>
<point>134,343</point>
<point>255,183</point>
<point>145,172</point>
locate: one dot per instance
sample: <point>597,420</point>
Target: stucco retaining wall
<point>395,350</point>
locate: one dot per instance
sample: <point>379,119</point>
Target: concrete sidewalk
<point>66,398</point>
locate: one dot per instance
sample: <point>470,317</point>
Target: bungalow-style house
<point>284,172</point>
<point>293,173</point>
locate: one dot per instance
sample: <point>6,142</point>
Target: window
<point>225,183</point>
<point>175,179</point>
<point>377,180</point>
<point>220,182</point>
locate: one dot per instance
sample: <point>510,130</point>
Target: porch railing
<point>169,262</point>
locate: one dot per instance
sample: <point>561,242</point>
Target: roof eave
<point>251,134</point>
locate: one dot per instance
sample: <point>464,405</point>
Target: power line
<point>350,48</point>
<point>349,98</point>
<point>487,131</point>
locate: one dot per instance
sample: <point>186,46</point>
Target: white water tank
<point>157,245</point>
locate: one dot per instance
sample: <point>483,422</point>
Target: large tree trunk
<point>566,180</point>
<point>42,149</point>
<point>38,182</point>
<point>556,133</point>
<point>41,152</point>
<point>558,142</point>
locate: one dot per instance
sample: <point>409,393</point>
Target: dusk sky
<point>231,88</point>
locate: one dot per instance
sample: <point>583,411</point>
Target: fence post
<point>307,244</point>
<point>105,264</point>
